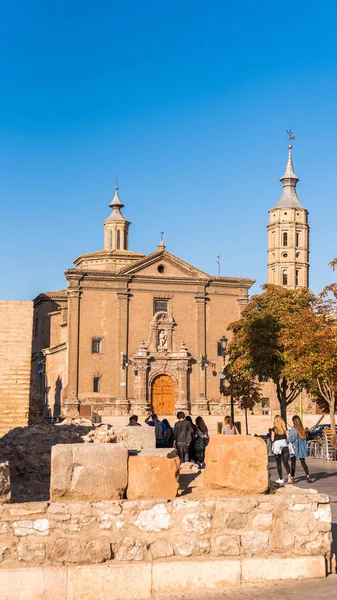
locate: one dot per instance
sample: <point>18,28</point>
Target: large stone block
<point>153,477</point>
<point>236,465</point>
<point>110,582</point>
<point>175,577</point>
<point>5,484</point>
<point>137,438</point>
<point>256,570</point>
<point>90,472</point>
<point>47,583</point>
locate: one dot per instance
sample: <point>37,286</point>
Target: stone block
<point>47,583</point>
<point>65,550</point>
<point>137,438</point>
<point>110,582</point>
<point>88,472</point>
<point>176,576</point>
<point>153,477</point>
<point>256,570</point>
<point>5,484</point>
<point>236,465</point>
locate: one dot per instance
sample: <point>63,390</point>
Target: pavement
<point>313,589</point>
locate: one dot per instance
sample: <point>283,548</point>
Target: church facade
<point>133,333</point>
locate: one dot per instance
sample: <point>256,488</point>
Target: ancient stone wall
<point>16,330</point>
<point>286,524</point>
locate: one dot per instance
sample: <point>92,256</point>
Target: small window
<point>284,278</point>
<point>285,255</point>
<point>160,268</point>
<point>118,240</point>
<point>297,239</point>
<point>265,403</point>
<point>97,384</point>
<point>160,306</point>
<point>297,254</point>
<point>97,345</point>
<point>110,240</point>
<point>285,238</point>
<point>297,277</point>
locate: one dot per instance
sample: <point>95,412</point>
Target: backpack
<point>159,431</point>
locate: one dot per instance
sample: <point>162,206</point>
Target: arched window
<point>297,277</point>
<point>118,240</point>
<point>110,243</point>
<point>285,278</point>
<point>285,239</point>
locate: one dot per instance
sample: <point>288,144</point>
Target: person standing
<point>168,434</point>
<point>298,439</point>
<point>228,427</point>
<point>191,447</point>
<point>201,441</point>
<point>280,447</point>
<point>183,434</point>
<point>159,427</point>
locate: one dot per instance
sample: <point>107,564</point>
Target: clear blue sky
<point>188,102</point>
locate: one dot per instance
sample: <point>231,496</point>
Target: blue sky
<point>188,103</point>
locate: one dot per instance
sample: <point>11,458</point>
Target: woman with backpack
<point>297,441</point>
<point>201,441</point>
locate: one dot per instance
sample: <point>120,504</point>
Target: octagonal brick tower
<point>288,235</point>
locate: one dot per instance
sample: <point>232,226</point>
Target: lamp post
<point>223,345</point>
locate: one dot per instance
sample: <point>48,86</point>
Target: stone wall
<point>290,523</point>
<point>16,330</point>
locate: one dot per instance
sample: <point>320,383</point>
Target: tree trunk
<point>281,388</point>
<point>246,419</point>
<point>283,406</point>
<point>332,413</point>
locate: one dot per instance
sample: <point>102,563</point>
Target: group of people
<point>287,446</point>
<point>188,438</point>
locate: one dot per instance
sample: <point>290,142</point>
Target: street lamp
<point>223,344</point>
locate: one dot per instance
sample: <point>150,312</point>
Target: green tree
<point>259,348</point>
<point>244,390</point>
<point>313,350</point>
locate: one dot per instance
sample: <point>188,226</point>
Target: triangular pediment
<point>163,264</point>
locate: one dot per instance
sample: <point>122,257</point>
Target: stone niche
<point>88,472</point>
<point>236,465</point>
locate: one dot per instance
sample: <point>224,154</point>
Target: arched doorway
<point>163,395</point>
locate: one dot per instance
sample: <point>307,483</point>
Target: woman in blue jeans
<point>298,443</point>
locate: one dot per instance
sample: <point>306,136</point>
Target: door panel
<point>163,395</point>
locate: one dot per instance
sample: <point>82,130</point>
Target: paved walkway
<point>315,589</point>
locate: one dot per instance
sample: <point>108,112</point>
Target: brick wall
<point>16,327</point>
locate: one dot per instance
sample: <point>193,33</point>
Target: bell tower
<point>288,235</point>
<point>116,227</point>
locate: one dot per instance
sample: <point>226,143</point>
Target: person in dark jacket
<point>201,441</point>
<point>168,434</point>
<point>183,434</point>
<point>191,448</point>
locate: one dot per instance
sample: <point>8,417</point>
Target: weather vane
<point>290,134</point>
<point>161,235</point>
<point>217,260</point>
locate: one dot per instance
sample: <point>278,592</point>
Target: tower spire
<point>116,226</point>
<point>289,198</point>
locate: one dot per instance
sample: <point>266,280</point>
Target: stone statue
<point>162,340</point>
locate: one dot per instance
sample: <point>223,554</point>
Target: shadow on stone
<point>28,451</point>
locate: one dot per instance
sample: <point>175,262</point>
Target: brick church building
<point>135,333</point>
